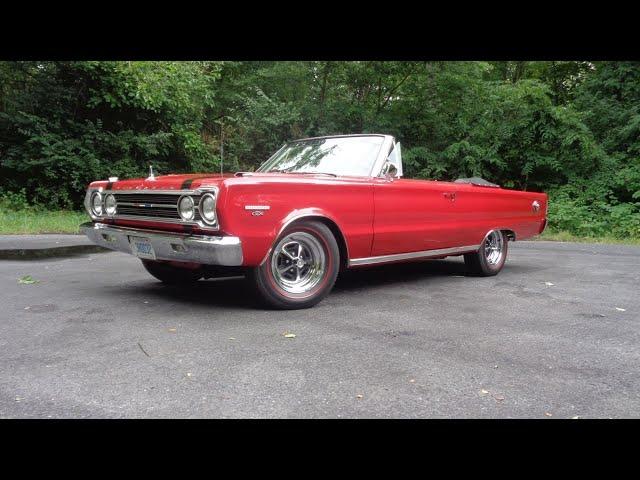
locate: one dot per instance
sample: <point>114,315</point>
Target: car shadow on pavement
<point>398,273</point>
<point>225,292</point>
<point>234,292</point>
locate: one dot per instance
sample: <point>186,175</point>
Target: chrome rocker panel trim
<point>209,250</point>
<point>354,262</point>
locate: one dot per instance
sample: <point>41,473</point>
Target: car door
<point>413,216</point>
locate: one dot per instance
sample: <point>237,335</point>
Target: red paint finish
<point>347,202</point>
<point>375,216</point>
<point>416,215</point>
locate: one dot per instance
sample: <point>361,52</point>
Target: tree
<point>570,128</point>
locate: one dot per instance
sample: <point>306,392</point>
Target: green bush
<point>14,200</point>
<point>65,124</point>
<point>582,214</point>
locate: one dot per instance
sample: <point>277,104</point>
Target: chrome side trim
<point>205,249</point>
<point>354,262</point>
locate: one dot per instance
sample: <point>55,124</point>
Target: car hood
<point>196,180</point>
<point>193,181</point>
<point>165,182</point>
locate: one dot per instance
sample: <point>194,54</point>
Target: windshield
<point>336,156</point>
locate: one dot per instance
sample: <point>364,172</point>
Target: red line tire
<point>301,267</point>
<point>490,258</point>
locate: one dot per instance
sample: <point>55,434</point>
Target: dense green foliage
<point>569,128</point>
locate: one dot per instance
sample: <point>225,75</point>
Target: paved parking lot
<point>555,335</point>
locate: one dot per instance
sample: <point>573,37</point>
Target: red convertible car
<point>317,206</point>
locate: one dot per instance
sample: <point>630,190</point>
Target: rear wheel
<point>170,274</point>
<point>300,269</point>
<point>490,258</point>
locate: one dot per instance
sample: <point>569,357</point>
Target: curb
<point>52,252</point>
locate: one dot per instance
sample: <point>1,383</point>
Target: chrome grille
<point>159,198</point>
<point>147,212</point>
<point>150,205</point>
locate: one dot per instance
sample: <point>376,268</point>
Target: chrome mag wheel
<point>298,263</point>
<point>493,247</point>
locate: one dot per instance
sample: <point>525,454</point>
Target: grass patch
<point>564,236</point>
<point>40,221</point>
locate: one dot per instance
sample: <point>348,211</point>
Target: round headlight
<point>110,205</point>
<point>186,208</point>
<point>96,204</point>
<point>208,208</point>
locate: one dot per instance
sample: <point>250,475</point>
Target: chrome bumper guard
<point>209,250</point>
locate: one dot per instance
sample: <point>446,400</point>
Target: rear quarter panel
<point>481,209</point>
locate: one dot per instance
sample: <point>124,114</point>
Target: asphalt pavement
<point>554,335</point>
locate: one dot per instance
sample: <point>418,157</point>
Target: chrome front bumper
<point>178,247</point>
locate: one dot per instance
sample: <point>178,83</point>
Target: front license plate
<point>142,248</point>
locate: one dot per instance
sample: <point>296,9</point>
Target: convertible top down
<point>316,206</point>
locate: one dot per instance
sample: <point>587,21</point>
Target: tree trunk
<point>323,92</point>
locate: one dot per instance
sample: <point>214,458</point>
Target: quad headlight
<point>96,204</point>
<point>110,205</point>
<point>186,208</point>
<point>208,208</point>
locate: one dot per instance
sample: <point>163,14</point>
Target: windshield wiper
<point>314,173</point>
<point>302,173</point>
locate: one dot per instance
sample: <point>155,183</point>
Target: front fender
<point>302,213</point>
<point>257,243</point>
<point>295,215</point>
<point>257,211</point>
<point>259,228</point>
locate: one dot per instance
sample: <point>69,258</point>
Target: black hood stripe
<point>186,185</point>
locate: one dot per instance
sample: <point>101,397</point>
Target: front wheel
<point>490,258</point>
<point>300,269</point>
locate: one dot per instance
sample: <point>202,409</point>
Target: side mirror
<point>389,170</point>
